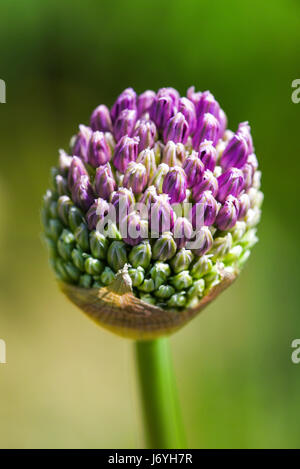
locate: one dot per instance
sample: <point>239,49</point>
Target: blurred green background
<point>68,383</point>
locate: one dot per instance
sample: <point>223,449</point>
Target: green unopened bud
<point>93,266</point>
<point>201,267</point>
<point>53,173</point>
<point>82,237</point>
<point>182,260</point>
<point>192,302</point>
<point>182,280</point>
<point>147,158</point>
<point>221,246</point>
<point>148,298</point>
<point>61,271</point>
<point>159,273</point>
<point>137,276</point>
<point>252,217</point>
<point>52,247</point>
<point>45,219</point>
<point>66,244</point>
<point>117,255</point>
<point>249,239</point>
<point>197,289</point>
<point>61,185</point>
<point>157,152</point>
<point>64,204</point>
<point>75,218</point>
<point>85,281</point>
<point>159,176</point>
<point>98,245</point>
<point>165,247</point>
<point>234,254</point>
<point>140,255</point>
<point>107,276</point>
<point>78,259</point>
<point>164,291</point>
<point>177,300</point>
<point>147,285</point>
<point>53,209</point>
<point>113,232</point>
<point>48,199</point>
<point>54,229</point>
<point>244,257</point>
<point>72,271</point>
<point>97,282</point>
<point>238,230</point>
<point>213,277</point>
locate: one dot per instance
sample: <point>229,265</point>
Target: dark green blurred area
<point>68,383</point>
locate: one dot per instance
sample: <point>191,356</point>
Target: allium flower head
<point>154,211</point>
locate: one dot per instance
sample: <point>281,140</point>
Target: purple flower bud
<point>235,153</point>
<point>182,231</point>
<point>97,211</point>
<point>228,214</point>
<point>208,104</point>
<point>134,229</point>
<point>208,183</point>
<point>194,169</point>
<point>208,128</point>
<point>126,100</point>
<point>149,197</point>
<point>245,130</point>
<point>146,131</point>
<point>162,215</point>
<point>230,183</point>
<point>145,101</point>
<point>101,120</point>
<point>104,182</point>
<point>77,169</point>
<point>123,201</point>
<point>187,108</point>
<point>202,241</point>
<point>194,96</point>
<point>204,212</point>
<point>175,184</point>
<point>135,177</point>
<point>161,111</point>
<point>126,151</point>
<point>176,129</point>
<point>82,193</point>
<point>222,118</point>
<point>208,155</point>
<point>244,205</point>
<point>147,158</point>
<point>171,92</point>
<point>248,173</point>
<point>98,150</point>
<point>80,147</point>
<point>124,124</point>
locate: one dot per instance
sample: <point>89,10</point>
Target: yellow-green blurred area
<point>68,383</point>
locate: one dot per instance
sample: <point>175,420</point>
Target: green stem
<point>159,395</point>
